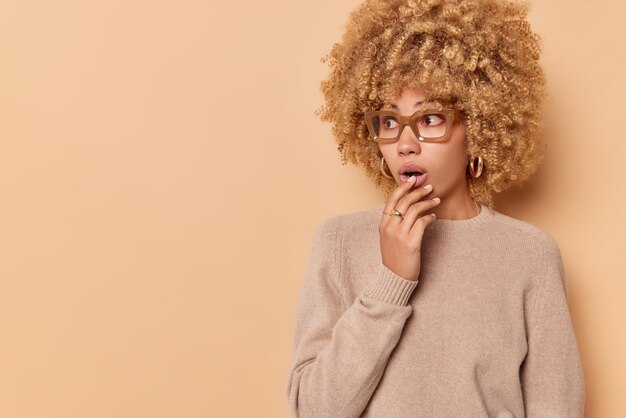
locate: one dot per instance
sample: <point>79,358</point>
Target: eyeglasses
<point>428,125</point>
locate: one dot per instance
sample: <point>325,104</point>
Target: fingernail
<point>436,199</point>
<point>428,186</point>
<point>411,179</point>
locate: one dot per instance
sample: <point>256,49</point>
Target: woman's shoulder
<point>350,231</point>
<point>349,223</point>
<point>524,230</point>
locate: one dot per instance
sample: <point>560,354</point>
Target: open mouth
<point>419,176</point>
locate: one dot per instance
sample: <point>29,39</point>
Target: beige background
<point>162,173</point>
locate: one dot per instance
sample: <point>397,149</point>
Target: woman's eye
<point>389,123</point>
<point>433,120</point>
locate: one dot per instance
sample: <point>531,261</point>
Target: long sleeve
<point>341,349</point>
<point>552,374</point>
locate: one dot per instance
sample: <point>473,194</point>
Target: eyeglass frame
<point>410,121</point>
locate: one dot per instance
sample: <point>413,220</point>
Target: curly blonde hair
<point>479,57</point>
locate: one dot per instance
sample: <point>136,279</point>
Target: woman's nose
<point>408,143</point>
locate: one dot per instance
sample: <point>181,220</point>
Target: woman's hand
<point>401,238</point>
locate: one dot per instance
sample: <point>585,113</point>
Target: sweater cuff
<point>390,288</point>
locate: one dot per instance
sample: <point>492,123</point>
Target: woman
<point>434,304</point>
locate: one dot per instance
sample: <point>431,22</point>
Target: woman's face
<point>445,162</point>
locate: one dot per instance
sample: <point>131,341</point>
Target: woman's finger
<point>413,196</point>
<point>415,211</point>
<point>396,195</point>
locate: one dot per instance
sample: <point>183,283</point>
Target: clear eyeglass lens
<point>429,125</point>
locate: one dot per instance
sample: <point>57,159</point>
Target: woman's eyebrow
<point>417,103</point>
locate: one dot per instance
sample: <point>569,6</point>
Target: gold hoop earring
<point>476,172</point>
<point>382,168</point>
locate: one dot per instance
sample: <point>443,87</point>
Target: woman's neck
<point>456,206</point>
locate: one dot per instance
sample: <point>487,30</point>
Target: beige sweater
<point>484,332</point>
